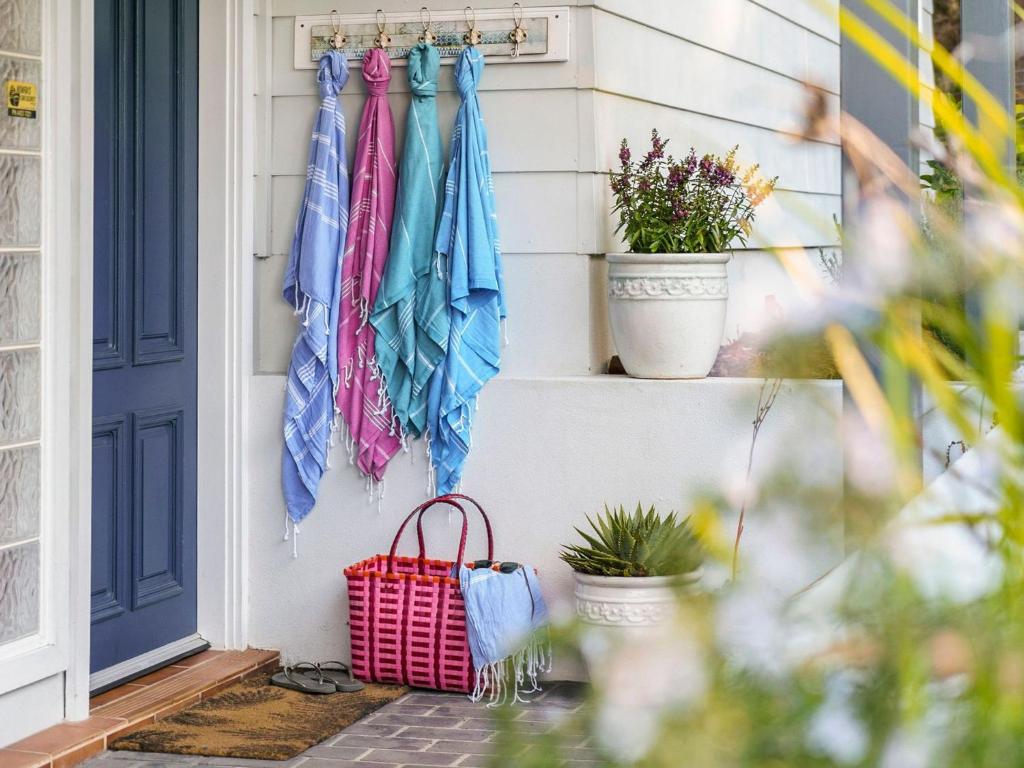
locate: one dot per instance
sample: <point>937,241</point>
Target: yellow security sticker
<point>21,99</point>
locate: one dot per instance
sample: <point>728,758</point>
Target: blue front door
<point>144,327</point>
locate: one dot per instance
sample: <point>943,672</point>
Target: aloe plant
<point>638,544</point>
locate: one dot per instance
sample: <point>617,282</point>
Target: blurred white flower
<point>946,560</point>
<point>640,682</point>
<point>880,257</point>
<point>908,749</point>
<point>835,731</point>
<point>750,629</point>
<point>994,229</point>
<point>870,461</point>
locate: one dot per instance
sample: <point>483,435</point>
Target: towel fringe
<point>514,677</point>
<point>431,472</point>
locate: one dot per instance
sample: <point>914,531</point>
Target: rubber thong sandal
<point>338,674</point>
<point>296,678</point>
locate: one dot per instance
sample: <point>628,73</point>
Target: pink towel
<point>362,396</point>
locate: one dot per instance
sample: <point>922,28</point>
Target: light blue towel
<point>467,235</point>
<point>312,287</point>
<point>411,313</point>
<point>504,611</point>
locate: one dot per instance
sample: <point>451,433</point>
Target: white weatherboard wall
<point>554,439</point>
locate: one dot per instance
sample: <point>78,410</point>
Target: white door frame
<point>227,60</point>
<point>226,68</point>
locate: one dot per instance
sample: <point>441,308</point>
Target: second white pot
<point>667,312</point>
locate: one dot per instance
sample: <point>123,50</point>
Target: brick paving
<point>419,730</point>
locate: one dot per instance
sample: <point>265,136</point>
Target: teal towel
<point>411,311</point>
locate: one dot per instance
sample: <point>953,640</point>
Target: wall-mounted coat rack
<point>546,35</point>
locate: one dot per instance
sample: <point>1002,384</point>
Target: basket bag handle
<point>419,511</point>
<point>475,503</point>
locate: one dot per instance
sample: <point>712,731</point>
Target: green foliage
<point>944,184</point>
<point>694,205</point>
<point>641,544</point>
<point>911,651</point>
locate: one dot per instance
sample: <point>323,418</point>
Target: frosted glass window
<point>19,396</point>
<point>20,202</point>
<point>20,28</point>
<point>19,494</point>
<point>21,307</point>
<point>19,591</point>
<point>19,298</point>
<point>19,132</point>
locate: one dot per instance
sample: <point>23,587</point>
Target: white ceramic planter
<point>667,312</point>
<point>629,606</point>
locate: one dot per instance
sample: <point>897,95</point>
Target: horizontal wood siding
<point>708,73</point>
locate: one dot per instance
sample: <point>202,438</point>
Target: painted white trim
<point>226,66</point>
<point>165,654</point>
<point>31,660</point>
<point>74,212</point>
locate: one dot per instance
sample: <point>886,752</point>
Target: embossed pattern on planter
<point>19,494</point>
<point>610,612</point>
<point>649,287</point>
<point>19,591</point>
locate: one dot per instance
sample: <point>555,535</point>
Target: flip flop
<point>338,674</point>
<point>298,679</point>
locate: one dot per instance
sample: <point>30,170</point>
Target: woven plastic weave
<point>407,618</point>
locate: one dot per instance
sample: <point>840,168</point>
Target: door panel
<point>144,327</point>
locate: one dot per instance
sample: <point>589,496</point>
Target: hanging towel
<point>311,286</point>
<point>372,436</point>
<point>468,236</point>
<point>411,313</point>
<point>503,613</point>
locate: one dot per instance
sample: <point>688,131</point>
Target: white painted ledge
<point>546,452</point>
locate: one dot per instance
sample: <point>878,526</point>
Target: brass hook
<point>382,40</point>
<point>472,37</point>
<point>427,35</point>
<point>518,35</point>
<point>338,39</point>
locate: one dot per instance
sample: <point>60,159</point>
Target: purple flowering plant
<point>694,205</point>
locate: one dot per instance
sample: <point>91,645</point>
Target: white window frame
<point>66,242</point>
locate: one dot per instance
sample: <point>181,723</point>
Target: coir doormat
<point>257,720</point>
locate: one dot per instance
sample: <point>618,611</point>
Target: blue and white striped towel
<point>311,286</point>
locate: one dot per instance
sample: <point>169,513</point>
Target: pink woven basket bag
<point>406,614</point>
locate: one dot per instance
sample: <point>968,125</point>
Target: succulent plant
<point>638,544</point>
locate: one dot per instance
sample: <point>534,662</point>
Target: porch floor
<point>137,703</point>
<point>418,730</point>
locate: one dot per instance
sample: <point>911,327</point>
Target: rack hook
<point>427,35</point>
<point>338,39</point>
<point>472,37</point>
<point>518,35</point>
<point>382,40</point>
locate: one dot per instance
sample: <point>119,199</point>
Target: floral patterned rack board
<point>547,35</point>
